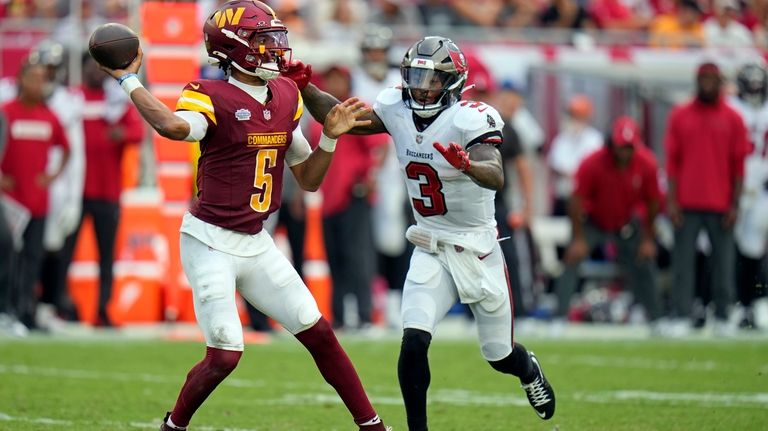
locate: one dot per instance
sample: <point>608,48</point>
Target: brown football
<point>113,45</point>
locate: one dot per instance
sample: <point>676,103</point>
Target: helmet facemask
<point>269,52</point>
<point>752,83</point>
<point>434,72</point>
<point>429,91</point>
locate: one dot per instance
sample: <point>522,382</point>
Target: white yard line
<point>132,377</point>
<point>141,425</point>
<point>323,394</point>
<point>702,399</point>
<point>634,362</point>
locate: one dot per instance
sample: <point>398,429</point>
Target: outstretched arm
<point>340,119</point>
<point>486,169</point>
<point>482,163</point>
<point>320,104</point>
<point>150,107</point>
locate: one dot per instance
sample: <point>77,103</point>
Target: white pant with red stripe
<point>430,291</point>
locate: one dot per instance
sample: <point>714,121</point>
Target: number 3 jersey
<point>443,198</point>
<point>240,170</point>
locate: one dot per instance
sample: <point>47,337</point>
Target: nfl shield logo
<point>419,139</point>
<point>267,114</point>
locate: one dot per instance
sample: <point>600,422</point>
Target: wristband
<point>129,82</point>
<point>327,144</point>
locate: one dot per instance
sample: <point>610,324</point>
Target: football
<point>113,45</point>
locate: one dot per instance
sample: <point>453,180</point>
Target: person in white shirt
<point>577,139</point>
<point>448,151</point>
<point>724,30</point>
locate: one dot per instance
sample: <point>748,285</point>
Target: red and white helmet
<point>247,35</point>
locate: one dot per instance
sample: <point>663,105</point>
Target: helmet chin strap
<point>427,113</point>
<point>264,74</point>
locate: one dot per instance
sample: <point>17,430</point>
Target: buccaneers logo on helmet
<point>247,35</point>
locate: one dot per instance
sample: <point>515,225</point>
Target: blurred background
<point>559,72</point>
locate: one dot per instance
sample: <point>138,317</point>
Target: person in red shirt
<point>612,184</point>
<point>706,143</point>
<point>106,136</point>
<point>32,130</point>
<point>347,192</point>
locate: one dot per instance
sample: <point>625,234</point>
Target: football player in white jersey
<point>751,230</point>
<point>448,151</point>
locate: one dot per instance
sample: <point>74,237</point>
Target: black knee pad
<point>415,341</point>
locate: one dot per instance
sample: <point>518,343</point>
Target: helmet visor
<point>271,47</point>
<point>427,79</point>
<point>269,40</point>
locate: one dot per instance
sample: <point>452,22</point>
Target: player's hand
<point>344,117</point>
<point>729,219</point>
<point>7,183</point>
<point>116,134</point>
<point>646,250</point>
<point>299,73</point>
<point>675,214</point>
<point>576,252</point>
<point>456,156</point>
<point>44,180</point>
<point>132,68</point>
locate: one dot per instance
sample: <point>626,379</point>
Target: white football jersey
<point>756,164</point>
<point>442,197</point>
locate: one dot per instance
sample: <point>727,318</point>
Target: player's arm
<point>482,163</point>
<point>150,107</point>
<point>320,104</point>
<point>340,119</point>
<point>486,167</point>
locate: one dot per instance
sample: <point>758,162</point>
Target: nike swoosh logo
<point>541,415</point>
<point>484,256</point>
<point>194,86</point>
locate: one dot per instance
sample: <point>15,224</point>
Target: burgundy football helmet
<point>247,35</point>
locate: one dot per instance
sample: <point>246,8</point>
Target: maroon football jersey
<point>240,170</point>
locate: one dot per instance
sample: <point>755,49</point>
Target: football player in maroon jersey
<point>247,127</point>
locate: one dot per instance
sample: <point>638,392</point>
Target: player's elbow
<point>309,186</point>
<point>172,128</point>
<point>497,183</point>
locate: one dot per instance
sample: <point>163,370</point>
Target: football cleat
<point>540,393</point>
<point>374,424</point>
<point>165,427</point>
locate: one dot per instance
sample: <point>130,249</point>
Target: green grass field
<point>47,384</point>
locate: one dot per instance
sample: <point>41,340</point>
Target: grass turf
<point>48,384</point>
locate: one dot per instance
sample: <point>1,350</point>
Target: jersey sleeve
<point>194,98</point>
<point>299,150</point>
<point>480,123</point>
<point>385,102</point>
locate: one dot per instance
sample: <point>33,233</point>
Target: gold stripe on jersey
<point>275,139</point>
<point>299,109</point>
<point>198,102</point>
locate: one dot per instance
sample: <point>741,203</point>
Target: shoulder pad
<point>476,116</point>
<point>389,96</point>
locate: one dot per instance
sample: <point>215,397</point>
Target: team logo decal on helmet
<point>434,71</point>
<point>247,35</point>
